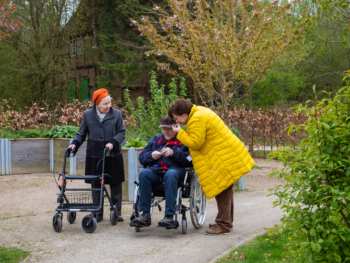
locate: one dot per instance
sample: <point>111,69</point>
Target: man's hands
<point>156,155</point>
<point>166,152</point>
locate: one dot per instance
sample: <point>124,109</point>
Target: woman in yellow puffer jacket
<point>218,157</point>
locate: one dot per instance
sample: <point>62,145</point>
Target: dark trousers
<point>115,194</point>
<point>147,179</point>
<point>225,205</point>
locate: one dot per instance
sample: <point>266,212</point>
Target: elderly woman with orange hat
<point>105,128</point>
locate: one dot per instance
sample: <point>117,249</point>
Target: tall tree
<point>221,44</point>
<point>337,12</point>
<point>40,46</point>
<point>6,23</point>
<point>124,49</point>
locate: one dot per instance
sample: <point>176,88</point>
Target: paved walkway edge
<point>243,241</point>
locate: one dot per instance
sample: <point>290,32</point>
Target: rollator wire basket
<point>72,200</point>
<point>80,201</point>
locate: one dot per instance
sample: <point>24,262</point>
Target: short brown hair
<point>179,107</point>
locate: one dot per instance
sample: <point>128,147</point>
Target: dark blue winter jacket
<point>177,161</point>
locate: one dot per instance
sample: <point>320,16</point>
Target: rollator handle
<point>107,152</point>
<point>69,153</point>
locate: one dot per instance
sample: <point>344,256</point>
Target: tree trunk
<point>251,96</point>
<point>223,94</point>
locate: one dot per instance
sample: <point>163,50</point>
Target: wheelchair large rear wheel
<point>198,203</point>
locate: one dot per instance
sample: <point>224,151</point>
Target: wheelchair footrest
<point>174,226</point>
<point>132,224</point>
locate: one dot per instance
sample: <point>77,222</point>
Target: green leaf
<point>329,137</point>
<point>334,204</point>
<point>325,125</point>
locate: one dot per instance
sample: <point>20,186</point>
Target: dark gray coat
<point>111,130</point>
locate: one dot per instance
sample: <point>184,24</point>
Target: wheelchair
<point>189,188</point>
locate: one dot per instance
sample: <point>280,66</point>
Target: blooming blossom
<point>156,8</point>
<point>251,3</point>
<point>269,19</point>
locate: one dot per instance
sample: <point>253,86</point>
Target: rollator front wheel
<point>71,216</point>
<point>114,216</point>
<point>89,223</point>
<point>57,223</point>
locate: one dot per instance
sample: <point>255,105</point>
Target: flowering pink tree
<point>6,24</point>
<point>222,45</point>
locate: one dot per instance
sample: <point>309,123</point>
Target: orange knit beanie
<point>99,95</point>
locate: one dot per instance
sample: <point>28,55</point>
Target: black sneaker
<point>120,219</point>
<point>143,220</point>
<point>167,221</point>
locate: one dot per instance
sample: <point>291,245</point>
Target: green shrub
<point>62,132</point>
<point>147,115</point>
<point>235,131</point>
<point>316,196</point>
<point>136,142</point>
<point>14,134</point>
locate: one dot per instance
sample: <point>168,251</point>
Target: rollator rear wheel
<point>198,203</point>
<point>114,217</point>
<point>57,223</point>
<point>71,216</point>
<point>89,224</point>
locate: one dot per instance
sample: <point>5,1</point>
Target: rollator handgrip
<point>69,152</point>
<point>107,152</point>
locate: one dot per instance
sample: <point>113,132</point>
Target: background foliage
<point>147,115</point>
<point>316,196</point>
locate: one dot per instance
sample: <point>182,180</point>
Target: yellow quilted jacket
<point>218,156</point>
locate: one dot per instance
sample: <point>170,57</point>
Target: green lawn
<point>269,247</point>
<point>12,254</point>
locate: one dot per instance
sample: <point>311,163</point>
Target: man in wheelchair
<point>166,159</point>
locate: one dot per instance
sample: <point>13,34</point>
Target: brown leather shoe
<point>215,225</point>
<point>217,231</point>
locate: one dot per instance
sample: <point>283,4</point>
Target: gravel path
<point>28,204</point>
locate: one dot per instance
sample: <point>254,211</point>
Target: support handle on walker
<point>68,152</point>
